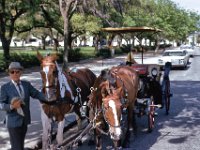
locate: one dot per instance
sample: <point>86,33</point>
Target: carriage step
<point>158,106</point>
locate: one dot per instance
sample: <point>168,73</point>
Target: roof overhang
<point>130,29</point>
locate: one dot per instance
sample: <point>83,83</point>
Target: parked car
<point>189,49</point>
<point>178,58</point>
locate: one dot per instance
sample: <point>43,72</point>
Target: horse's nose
<point>115,137</point>
<point>50,97</point>
<point>116,134</point>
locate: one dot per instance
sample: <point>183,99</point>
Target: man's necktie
<point>20,110</point>
<point>20,89</point>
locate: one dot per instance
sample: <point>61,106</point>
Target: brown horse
<point>112,101</point>
<point>68,90</point>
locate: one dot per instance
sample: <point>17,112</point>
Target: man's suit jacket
<point>8,92</point>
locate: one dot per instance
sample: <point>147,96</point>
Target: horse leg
<point>98,140</point>
<point>134,123</point>
<point>46,124</point>
<point>117,144</point>
<point>59,136</point>
<point>79,122</point>
<point>92,132</point>
<point>130,129</point>
<point>130,118</point>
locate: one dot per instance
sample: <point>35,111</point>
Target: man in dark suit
<point>15,100</point>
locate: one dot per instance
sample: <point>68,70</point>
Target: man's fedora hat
<point>15,65</point>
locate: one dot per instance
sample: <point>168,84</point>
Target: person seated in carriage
<point>130,58</point>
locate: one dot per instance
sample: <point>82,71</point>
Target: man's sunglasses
<point>15,71</point>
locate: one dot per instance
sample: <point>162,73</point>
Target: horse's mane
<point>107,74</point>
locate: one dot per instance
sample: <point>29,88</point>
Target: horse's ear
<point>39,56</point>
<point>55,56</point>
<point>118,91</point>
<point>107,83</point>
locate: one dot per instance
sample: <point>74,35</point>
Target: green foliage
<point>87,52</point>
<point>104,52</point>
<point>3,64</point>
<point>118,51</point>
<point>27,60</point>
<point>74,55</point>
<point>128,21</point>
<point>125,48</point>
<point>82,23</point>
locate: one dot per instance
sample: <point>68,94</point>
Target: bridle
<point>60,84</point>
<point>48,85</point>
<point>104,114</point>
<point>116,77</point>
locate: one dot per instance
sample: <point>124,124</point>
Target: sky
<point>193,5</point>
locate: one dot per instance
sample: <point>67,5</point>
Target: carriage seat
<point>142,101</point>
<point>141,69</point>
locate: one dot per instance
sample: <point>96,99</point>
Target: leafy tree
<point>10,12</point>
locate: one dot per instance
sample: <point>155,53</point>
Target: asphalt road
<point>177,131</point>
<point>180,129</point>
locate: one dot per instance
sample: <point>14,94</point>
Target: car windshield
<point>174,54</point>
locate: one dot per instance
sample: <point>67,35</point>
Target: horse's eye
<point>106,107</point>
<point>55,72</point>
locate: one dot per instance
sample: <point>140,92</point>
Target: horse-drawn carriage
<point>112,97</point>
<point>154,91</point>
<point>149,95</point>
<point>154,88</point>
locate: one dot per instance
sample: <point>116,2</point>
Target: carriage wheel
<point>151,115</point>
<point>167,97</point>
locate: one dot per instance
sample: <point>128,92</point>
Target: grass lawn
<point>86,52</point>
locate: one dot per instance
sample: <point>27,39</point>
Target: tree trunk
<point>66,8</point>
<point>43,43</point>
<point>95,42</point>
<point>56,44</point>
<point>70,40</point>
<point>119,40</point>
<point>157,44</point>
<point>6,48</point>
<point>66,40</point>
<point>110,39</point>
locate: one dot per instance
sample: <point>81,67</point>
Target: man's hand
<point>16,103</point>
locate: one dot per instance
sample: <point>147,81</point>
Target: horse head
<point>112,109</point>
<point>49,75</point>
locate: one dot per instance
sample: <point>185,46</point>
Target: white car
<point>189,49</point>
<point>177,57</point>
